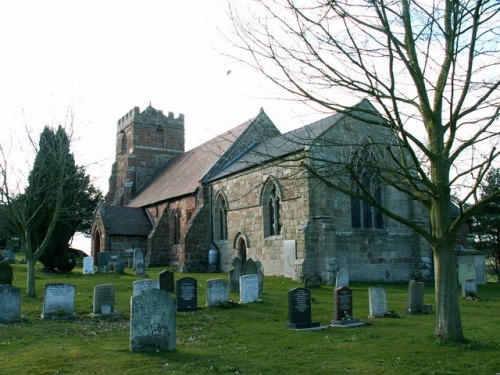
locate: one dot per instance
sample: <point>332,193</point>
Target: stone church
<point>248,193</point>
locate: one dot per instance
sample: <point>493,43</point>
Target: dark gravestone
<point>103,259</point>
<point>415,297</point>
<point>187,294</point>
<point>10,304</point>
<point>299,309</point>
<point>6,273</point>
<point>343,304</point>
<point>104,301</point>
<point>139,266</point>
<point>166,279</point>
<point>234,276</point>
<point>249,268</point>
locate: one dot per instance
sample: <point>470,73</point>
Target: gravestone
<point>88,265</point>
<point>249,288</point>
<point>6,273</point>
<point>260,274</point>
<point>312,281</point>
<point>290,257</point>
<point>415,297</point>
<point>299,309</point>
<point>59,301</point>
<point>377,301</point>
<point>469,288</point>
<point>152,322</point>
<point>140,286</point>
<point>10,304</point>
<point>249,268</point>
<point>139,266</point>
<point>119,267</point>
<point>166,279</point>
<point>343,312</point>
<point>103,258</point>
<point>187,294</point>
<point>9,256</point>
<point>466,268</point>
<point>342,278</point>
<point>104,301</point>
<point>217,292</point>
<point>234,276</point>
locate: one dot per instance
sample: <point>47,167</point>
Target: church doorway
<point>241,250</point>
<point>96,246</point>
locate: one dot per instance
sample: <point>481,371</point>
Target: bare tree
<point>431,69</point>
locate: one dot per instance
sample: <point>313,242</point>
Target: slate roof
<point>181,175</point>
<point>128,221</point>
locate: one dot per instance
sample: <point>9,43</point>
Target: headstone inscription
<point>377,301</point>
<point>217,292</point>
<point>415,297</point>
<point>59,301</point>
<point>187,294</point>
<point>140,286</point>
<point>88,265</point>
<point>152,322</point>
<point>10,304</point>
<point>166,279</point>
<point>342,278</point>
<point>299,309</point>
<point>104,301</point>
<point>6,273</point>
<point>249,288</point>
<point>249,268</point>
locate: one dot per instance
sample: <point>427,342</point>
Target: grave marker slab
<point>103,258</point>
<point>342,278</point>
<point>88,265</point>
<point>6,273</point>
<point>10,304</point>
<point>187,294</point>
<point>249,288</point>
<point>166,279</point>
<point>140,286</point>
<point>152,322</point>
<point>290,257</point>
<point>59,301</point>
<point>469,288</point>
<point>415,297</point>
<point>217,292</point>
<point>377,301</point>
<point>249,268</point>
<point>299,309</point>
<point>343,312</point>
<point>104,301</point>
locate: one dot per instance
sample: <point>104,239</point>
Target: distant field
<point>249,339</point>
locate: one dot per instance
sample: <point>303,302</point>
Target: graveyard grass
<point>250,338</point>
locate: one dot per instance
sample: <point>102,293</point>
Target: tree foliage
<point>430,68</point>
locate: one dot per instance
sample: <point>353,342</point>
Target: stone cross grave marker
<point>377,301</point>
<point>187,294</point>
<point>139,266</point>
<point>104,300</point>
<point>166,279</point>
<point>10,304</point>
<point>6,273</point>
<point>88,265</point>
<point>152,322</point>
<point>299,309</point>
<point>59,301</point>
<point>249,268</point>
<point>415,297</point>
<point>342,278</point>
<point>249,288</point>
<point>140,286</point>
<point>217,292</point>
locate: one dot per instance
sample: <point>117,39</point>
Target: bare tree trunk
<point>30,283</point>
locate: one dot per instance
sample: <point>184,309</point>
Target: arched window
<point>363,215</point>
<point>271,209</point>
<point>220,218</point>
<point>176,226</point>
<point>124,145</point>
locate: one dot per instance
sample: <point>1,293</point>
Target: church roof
<point>181,175</point>
<point>127,221</point>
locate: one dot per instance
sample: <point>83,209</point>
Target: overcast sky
<point>98,59</point>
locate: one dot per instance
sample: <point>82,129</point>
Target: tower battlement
<point>150,116</point>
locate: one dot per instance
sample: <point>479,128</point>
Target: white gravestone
<point>88,265</point>
<point>142,285</point>
<point>10,304</point>
<point>249,288</point>
<point>377,300</point>
<point>342,278</point>
<point>217,291</point>
<point>290,257</point>
<point>59,301</point>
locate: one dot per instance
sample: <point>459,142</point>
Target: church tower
<point>145,141</point>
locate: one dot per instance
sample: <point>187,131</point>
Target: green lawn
<point>249,339</point>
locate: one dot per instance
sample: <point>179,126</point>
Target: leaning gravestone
<point>166,279</point>
<point>152,322</point>
<point>88,265</point>
<point>249,268</point>
<point>59,301</point>
<point>299,309</point>
<point>217,292</point>
<point>104,301</point>
<point>249,288</point>
<point>10,304</point>
<point>415,297</point>
<point>377,301</point>
<point>187,294</point>
<point>343,312</point>
<point>140,286</point>
<point>342,278</point>
<point>6,273</point>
